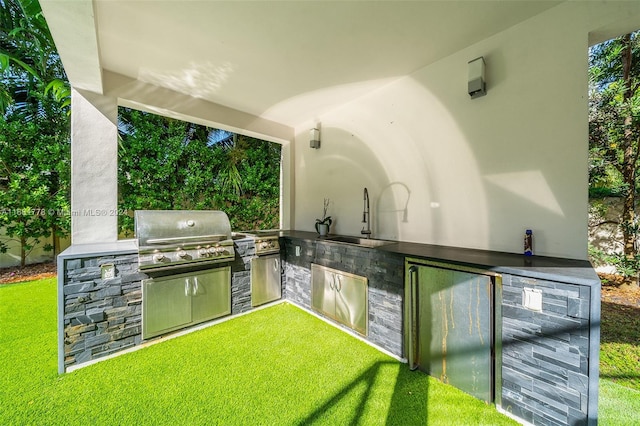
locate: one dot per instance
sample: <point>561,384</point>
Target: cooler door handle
<point>412,317</point>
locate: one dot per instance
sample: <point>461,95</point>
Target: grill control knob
<point>203,252</point>
<point>158,257</point>
<point>214,251</point>
<point>182,254</point>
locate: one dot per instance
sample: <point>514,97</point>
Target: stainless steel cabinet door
<point>323,296</point>
<point>166,305</point>
<point>266,285</point>
<point>211,294</point>
<point>341,296</point>
<point>351,301</point>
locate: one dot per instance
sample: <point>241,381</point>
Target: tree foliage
<point>34,130</point>
<point>34,178</point>
<point>29,61</point>
<point>171,164</point>
<point>614,125</point>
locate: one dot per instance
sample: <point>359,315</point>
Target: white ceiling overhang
<point>282,61</point>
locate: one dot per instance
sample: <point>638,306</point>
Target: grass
<point>277,366</point>
<point>619,400</point>
<point>618,405</point>
<point>620,344</point>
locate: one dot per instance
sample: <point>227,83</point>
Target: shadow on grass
<point>620,323</point>
<point>408,403</point>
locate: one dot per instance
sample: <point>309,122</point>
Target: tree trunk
<point>23,253</point>
<point>630,156</point>
<point>55,240</point>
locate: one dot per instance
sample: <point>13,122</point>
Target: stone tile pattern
<point>383,270</point>
<point>545,355</point>
<point>241,276</point>
<point>101,316</point>
<point>297,270</point>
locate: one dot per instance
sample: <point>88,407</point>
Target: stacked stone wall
<point>241,278</point>
<point>101,316</point>
<point>545,354</point>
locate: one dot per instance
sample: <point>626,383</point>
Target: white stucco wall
<point>476,173</point>
<point>94,168</point>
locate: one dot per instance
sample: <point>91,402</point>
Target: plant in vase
<point>322,225</point>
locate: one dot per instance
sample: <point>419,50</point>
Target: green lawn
<point>277,366</point>
<point>620,344</point>
<point>619,365</point>
<point>619,405</point>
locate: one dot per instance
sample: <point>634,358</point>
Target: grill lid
<point>179,238</point>
<point>176,227</point>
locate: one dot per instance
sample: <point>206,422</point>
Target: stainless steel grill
<point>172,239</point>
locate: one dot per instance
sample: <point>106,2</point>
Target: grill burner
<point>169,239</point>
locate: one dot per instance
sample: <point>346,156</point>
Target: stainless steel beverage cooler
<point>451,332</point>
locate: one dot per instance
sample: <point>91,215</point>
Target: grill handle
<point>184,239</point>
<point>413,331</point>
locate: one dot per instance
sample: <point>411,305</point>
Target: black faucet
<point>366,215</point>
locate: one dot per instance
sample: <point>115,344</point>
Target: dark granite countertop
<point>541,267</point>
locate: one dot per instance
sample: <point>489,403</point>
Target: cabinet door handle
<point>412,320</point>
<point>186,286</point>
<point>195,286</point>
<point>332,285</point>
<point>339,285</point>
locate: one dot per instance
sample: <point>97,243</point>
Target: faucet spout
<point>366,215</point>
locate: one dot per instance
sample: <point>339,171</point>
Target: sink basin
<point>364,242</point>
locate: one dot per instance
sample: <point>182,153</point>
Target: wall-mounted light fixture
<point>477,86</point>
<point>314,136</point>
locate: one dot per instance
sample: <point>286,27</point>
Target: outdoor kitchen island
<point>546,354</point>
<point>546,360</point>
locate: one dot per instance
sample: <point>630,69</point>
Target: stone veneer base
<point>175,334</point>
<point>549,359</point>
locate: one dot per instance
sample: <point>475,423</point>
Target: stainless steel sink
<point>364,242</point>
